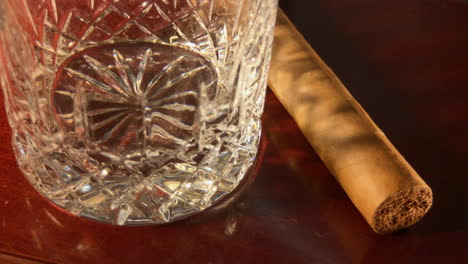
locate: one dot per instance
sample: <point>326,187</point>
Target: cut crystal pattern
<point>135,112</point>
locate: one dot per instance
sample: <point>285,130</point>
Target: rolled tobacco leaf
<point>382,185</point>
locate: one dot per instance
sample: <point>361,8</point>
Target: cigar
<point>382,185</point>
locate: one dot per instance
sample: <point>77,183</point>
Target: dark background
<point>405,61</point>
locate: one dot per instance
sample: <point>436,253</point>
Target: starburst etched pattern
<point>134,97</point>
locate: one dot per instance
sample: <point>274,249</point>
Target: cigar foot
<point>402,210</point>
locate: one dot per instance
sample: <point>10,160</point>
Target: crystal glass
<point>135,111</point>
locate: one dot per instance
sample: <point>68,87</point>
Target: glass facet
<point>135,111</point>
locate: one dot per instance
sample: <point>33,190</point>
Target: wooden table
<point>405,61</point>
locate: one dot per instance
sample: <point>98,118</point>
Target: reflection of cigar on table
<point>382,185</point>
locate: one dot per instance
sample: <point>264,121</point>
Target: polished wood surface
<point>405,61</point>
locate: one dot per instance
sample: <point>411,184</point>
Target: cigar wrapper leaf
<point>382,185</point>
